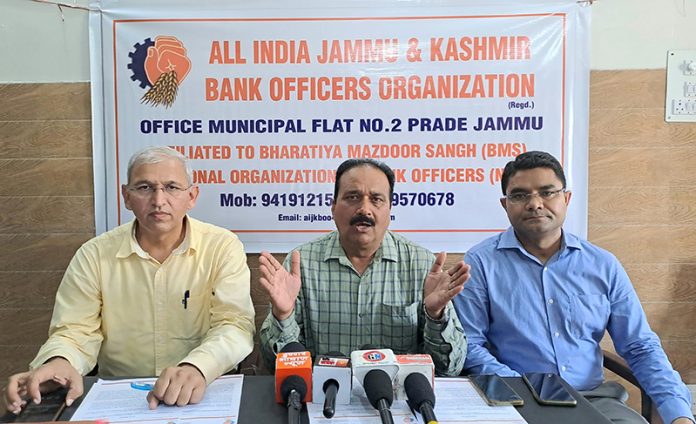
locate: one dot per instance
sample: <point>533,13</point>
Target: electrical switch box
<point>680,99</point>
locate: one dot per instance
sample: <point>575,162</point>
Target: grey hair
<point>157,154</point>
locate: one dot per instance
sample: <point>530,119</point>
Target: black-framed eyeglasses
<point>525,197</point>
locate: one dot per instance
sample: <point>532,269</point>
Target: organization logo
<point>374,356</point>
<point>160,67</point>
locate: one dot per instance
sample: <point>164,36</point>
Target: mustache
<point>362,219</point>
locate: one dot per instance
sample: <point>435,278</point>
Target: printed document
<point>360,411</point>
<point>456,401</point>
<point>120,401</point>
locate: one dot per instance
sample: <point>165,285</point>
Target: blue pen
<point>142,386</point>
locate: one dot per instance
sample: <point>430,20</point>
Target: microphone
<point>420,396</point>
<point>378,388</point>
<point>331,381</point>
<point>366,360</point>
<point>293,360</point>
<point>293,389</point>
<point>409,364</point>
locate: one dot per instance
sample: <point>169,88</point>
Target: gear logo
<point>160,67</point>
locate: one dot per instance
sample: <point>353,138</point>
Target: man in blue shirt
<point>540,300</point>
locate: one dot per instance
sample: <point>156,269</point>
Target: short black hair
<point>531,160</point>
<point>352,163</point>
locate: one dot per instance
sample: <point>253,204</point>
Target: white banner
<point>267,99</point>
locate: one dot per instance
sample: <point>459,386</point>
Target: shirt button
<point>550,300</point>
<point>556,334</point>
<point>545,268</point>
<point>563,368</point>
<point>361,315</point>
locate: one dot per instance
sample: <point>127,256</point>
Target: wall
<point>46,206</point>
<point>41,43</point>
<point>641,169</point>
<point>641,205</point>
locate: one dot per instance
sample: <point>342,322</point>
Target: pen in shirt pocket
<point>184,301</point>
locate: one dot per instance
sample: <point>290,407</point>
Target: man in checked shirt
<point>362,284</point>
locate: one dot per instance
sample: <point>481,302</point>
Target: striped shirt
<point>338,309</point>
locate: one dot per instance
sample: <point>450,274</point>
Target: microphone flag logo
<point>374,356</point>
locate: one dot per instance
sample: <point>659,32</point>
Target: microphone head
<point>293,382</point>
<point>418,390</point>
<point>293,360</point>
<point>293,347</point>
<point>378,386</point>
<point>332,378</point>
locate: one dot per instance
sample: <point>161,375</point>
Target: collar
<point>386,251</point>
<point>508,240</point>
<point>130,245</point>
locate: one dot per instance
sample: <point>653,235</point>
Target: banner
<point>268,98</point>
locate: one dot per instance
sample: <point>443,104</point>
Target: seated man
<point>162,295</point>
<point>364,285</point>
<point>540,300</point>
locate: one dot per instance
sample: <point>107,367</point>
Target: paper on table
<point>457,401</point>
<point>360,411</point>
<point>116,401</point>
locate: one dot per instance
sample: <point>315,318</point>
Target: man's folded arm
<point>641,348</point>
<point>445,341</point>
<point>75,329</point>
<point>231,335</point>
<point>471,306</point>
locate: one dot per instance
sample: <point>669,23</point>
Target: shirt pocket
<point>589,316</point>
<point>399,325</point>
<point>192,321</point>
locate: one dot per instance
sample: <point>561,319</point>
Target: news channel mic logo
<point>374,356</point>
<point>159,67</point>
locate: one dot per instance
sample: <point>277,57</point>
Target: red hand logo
<point>167,55</point>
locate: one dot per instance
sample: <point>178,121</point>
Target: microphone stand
<point>384,412</point>
<point>294,407</point>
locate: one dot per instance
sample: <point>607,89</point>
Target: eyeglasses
<point>526,197</point>
<point>147,190</point>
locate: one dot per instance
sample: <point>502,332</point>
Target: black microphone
<point>293,389</point>
<point>420,396</point>
<point>293,377</point>
<point>378,388</point>
<point>293,347</point>
<point>330,392</point>
<point>331,380</point>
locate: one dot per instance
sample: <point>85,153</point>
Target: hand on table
<point>55,373</point>
<point>180,385</point>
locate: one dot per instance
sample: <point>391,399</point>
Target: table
<point>258,405</point>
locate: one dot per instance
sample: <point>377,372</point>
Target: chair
<point>618,366</point>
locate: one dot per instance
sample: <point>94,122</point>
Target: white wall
<point>38,43</point>
<point>636,34</point>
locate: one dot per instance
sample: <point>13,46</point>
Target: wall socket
<point>684,106</point>
<point>680,99</point>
